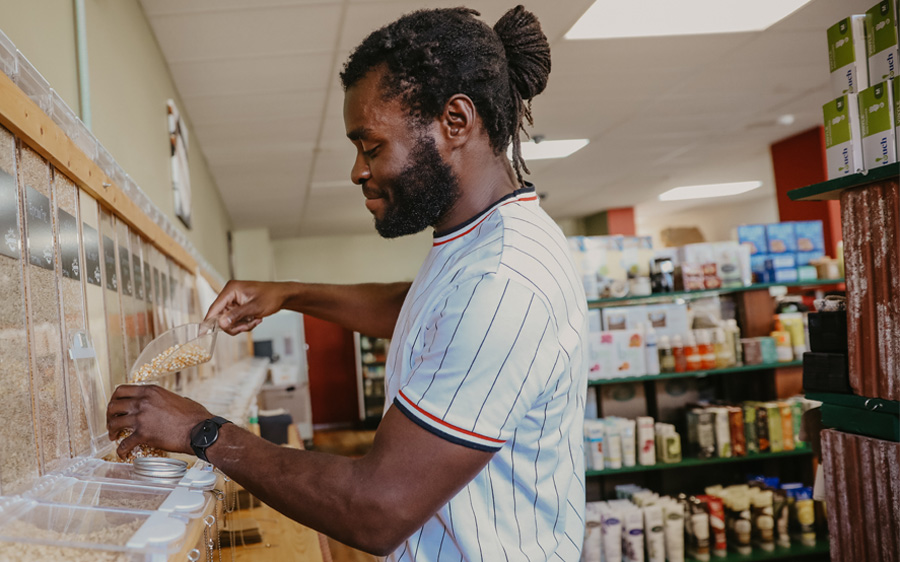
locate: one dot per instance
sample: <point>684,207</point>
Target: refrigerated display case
<point>371,354</point>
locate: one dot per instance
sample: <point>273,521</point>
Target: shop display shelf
<point>692,462</point>
<point>832,189</point>
<point>599,303</point>
<point>872,417</point>
<point>780,553</point>
<point>698,374</point>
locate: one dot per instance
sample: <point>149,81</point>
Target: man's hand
<point>242,305</point>
<point>159,418</point>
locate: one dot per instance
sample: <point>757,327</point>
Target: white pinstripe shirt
<point>488,352</point>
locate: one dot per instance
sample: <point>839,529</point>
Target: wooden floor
<point>287,541</point>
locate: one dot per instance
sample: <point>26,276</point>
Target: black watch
<point>205,434</point>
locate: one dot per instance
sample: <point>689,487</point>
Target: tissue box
<point>876,126</point>
<point>847,55</point>
<point>810,236</point>
<point>782,237</point>
<point>843,149</point>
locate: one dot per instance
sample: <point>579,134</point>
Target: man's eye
<point>370,153</point>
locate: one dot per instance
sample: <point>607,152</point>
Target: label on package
<point>876,126</point>
<point>881,41</point>
<point>38,229</point>
<point>842,146</point>
<point>846,55</point>
<point>68,246</point>
<point>91,254</point>
<point>9,217</point>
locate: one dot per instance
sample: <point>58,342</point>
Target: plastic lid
<point>184,501</point>
<point>158,530</point>
<point>90,380</point>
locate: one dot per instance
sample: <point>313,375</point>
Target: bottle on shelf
<point>706,350</point>
<point>651,352</point>
<point>678,354</point>
<point>733,333</point>
<point>666,357</point>
<point>691,353</point>
<point>724,353</point>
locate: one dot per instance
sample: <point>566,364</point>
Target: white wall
<point>129,85</point>
<point>350,259</point>
<point>251,252</point>
<point>716,222</point>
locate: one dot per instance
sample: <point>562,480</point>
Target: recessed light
<point>544,149</point>
<point>648,18</point>
<point>710,190</point>
<point>786,119</point>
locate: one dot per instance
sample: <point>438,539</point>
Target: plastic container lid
<point>199,476</point>
<point>33,83</point>
<point>8,62</point>
<point>39,529</point>
<point>90,380</point>
<point>181,347</point>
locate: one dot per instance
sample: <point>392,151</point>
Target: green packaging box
<point>847,55</point>
<point>843,149</point>
<point>881,41</point>
<point>876,125</point>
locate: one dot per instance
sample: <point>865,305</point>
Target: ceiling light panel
<point>710,190</point>
<point>549,149</point>
<point>607,19</point>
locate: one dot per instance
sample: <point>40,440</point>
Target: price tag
<point>10,241</point>
<point>38,229</point>
<point>138,281</point>
<point>148,283</point>
<point>68,246</point>
<point>125,270</point>
<point>92,255</point>
<point>109,260</point>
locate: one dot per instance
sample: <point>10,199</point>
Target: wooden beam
<point>36,129</point>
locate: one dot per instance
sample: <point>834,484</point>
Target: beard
<point>420,194</point>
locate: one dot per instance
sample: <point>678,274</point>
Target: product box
<point>698,267</point>
<point>668,319</point>
<point>623,317</point>
<point>843,149</point>
<point>785,276</point>
<point>876,126</point>
<point>758,263</point>
<point>673,395</point>
<point>810,235</point>
<point>595,320</point>
<point>881,41</point>
<point>782,237</point>
<point>781,261</point>
<point>754,235</point>
<point>895,101</point>
<point>847,55</point>
<point>617,353</point>
<point>627,400</point>
<point>612,268</point>
<point>644,255</point>
<point>728,263</point>
<point>601,356</point>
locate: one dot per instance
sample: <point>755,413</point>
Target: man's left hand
<point>159,418</point>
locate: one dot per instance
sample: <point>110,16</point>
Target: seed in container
<point>172,359</point>
<point>140,450</point>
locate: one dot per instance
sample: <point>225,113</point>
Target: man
<point>479,454</point>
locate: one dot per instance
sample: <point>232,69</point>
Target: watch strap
<point>200,451</point>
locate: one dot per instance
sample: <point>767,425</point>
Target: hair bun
<point>527,51</point>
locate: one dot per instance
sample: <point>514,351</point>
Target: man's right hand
<point>242,305</point>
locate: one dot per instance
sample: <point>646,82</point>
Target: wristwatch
<point>205,434</point>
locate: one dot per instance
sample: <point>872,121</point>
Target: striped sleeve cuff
<point>446,430</point>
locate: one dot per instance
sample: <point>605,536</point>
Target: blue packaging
<point>781,261</point>
<point>804,258</point>
<point>781,237</point>
<point>754,235</point>
<point>810,236</point>
<point>758,263</point>
<point>785,276</point>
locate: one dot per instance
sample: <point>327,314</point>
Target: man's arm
<point>372,503</point>
<point>369,308</point>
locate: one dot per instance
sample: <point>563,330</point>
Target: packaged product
<point>592,531</point>
<point>781,514</point>
<point>723,432</point>
<point>654,535</point>
<point>736,423</point>
<point>895,102</point>
<point>847,55</point>
<point>754,237</point>
<point>611,533</point>
<point>762,428</point>
<point>843,147</point>
<point>782,239</point>
<point>646,441</point>
<point>881,41</point>
<point>595,433</point>
<point>763,520</point>
<point>787,426</point>
<point>699,521</point>
<point>876,126</point>
<point>750,428</point>
<point>773,416</point>
<point>674,531</point>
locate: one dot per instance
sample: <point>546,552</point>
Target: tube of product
<point>613,452</point>
<point>706,434</point>
<point>645,441</point>
<point>653,533</point>
<point>627,430</point>
<point>699,531</point>
<point>718,540</point>
<point>797,419</point>
<point>611,534</point>
<point>782,518</point>
<point>736,423</point>
<point>743,525</point>
<point>750,438</point>
<point>806,516</point>
<point>596,431</point>
<point>763,519</point>
<point>762,428</point>
<point>793,324</point>
<point>673,528</point>
<point>592,542</point>
<point>773,412</point>
<point>633,535</point>
<point>723,432</point>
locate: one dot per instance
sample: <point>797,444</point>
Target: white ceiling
<point>259,82</point>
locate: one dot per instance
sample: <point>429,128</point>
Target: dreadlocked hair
<point>431,55</point>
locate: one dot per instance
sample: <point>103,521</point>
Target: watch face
<point>207,435</point>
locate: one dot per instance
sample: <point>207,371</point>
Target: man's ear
<point>458,120</point>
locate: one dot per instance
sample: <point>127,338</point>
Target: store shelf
<point>832,189</point>
<point>689,462</point>
<point>779,553</point>
<point>698,374</point>
<point>709,292</point>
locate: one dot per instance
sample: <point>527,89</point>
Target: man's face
<point>407,184</point>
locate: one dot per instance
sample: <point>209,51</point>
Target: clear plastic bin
<point>200,476</point>
<point>8,63</point>
<point>30,530</point>
<point>33,83</point>
<point>191,503</point>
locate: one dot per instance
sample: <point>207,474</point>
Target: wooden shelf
<point>780,553</point>
<point>599,303</point>
<point>694,462</point>
<point>832,189</point>
<point>873,417</point>
<point>698,374</point>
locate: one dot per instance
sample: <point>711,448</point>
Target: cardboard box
<point>728,263</point>
<point>843,149</point>
<point>805,258</point>
<point>758,263</point>
<point>626,400</point>
<point>672,396</point>
<point>623,317</point>
<point>615,354</point>
<point>667,319</point>
<point>895,101</point>
<point>785,276</point>
<point>810,236</point>
<point>781,261</point>
<point>754,235</point>
<point>881,41</point>
<point>601,356</point>
<point>847,55</point>
<point>782,238</point>
<point>876,126</point>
